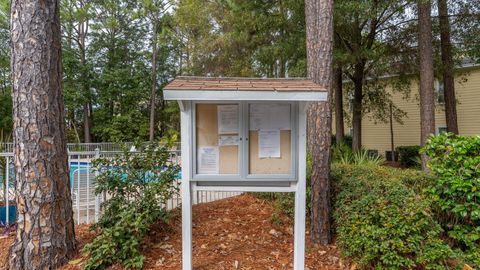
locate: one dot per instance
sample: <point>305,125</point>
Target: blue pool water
<point>79,167</point>
<point>74,166</point>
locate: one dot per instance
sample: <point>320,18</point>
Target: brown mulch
<point>235,233</point>
<point>82,232</point>
<point>5,243</point>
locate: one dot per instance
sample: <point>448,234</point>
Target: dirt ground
<point>234,233</point>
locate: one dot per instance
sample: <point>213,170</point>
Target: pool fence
<point>86,204</point>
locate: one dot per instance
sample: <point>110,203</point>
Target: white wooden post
<point>97,196</point>
<point>299,228</point>
<point>7,176</point>
<point>185,120</point>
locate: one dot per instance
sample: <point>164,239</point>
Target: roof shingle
<point>244,84</point>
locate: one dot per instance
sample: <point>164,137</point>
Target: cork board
<point>207,135</point>
<point>280,165</point>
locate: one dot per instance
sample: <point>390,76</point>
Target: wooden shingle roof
<point>244,84</point>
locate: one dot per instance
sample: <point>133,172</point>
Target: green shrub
<point>341,151</point>
<point>455,162</point>
<point>347,140</point>
<point>383,223</point>
<point>344,155</point>
<point>138,184</point>
<point>409,155</point>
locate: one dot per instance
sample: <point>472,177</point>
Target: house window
<point>440,91</point>
<point>441,130</point>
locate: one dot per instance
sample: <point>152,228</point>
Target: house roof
<point>228,88</point>
<point>244,84</point>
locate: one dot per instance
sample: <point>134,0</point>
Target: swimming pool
<point>78,171</point>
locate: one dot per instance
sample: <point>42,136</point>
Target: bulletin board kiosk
<point>243,134</point>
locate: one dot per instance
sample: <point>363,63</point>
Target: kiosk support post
<point>185,116</point>
<point>300,196</point>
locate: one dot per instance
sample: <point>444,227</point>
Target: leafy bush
<point>138,184</point>
<point>455,162</point>
<point>409,155</point>
<point>340,151</point>
<point>382,223</point>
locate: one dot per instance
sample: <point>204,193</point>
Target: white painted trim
<point>219,95</point>
<point>245,189</point>
<point>300,194</point>
<point>185,121</point>
<point>7,187</point>
<point>181,105</point>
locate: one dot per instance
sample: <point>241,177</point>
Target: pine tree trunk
<point>339,122</point>
<point>319,23</point>
<point>86,124</point>
<point>87,137</point>
<point>447,70</point>
<point>357,108</point>
<point>82,30</point>
<point>427,94</point>
<point>45,237</point>
<point>392,134</point>
<point>154,83</point>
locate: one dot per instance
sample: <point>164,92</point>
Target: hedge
<point>409,155</point>
<point>455,162</point>
<point>383,222</point>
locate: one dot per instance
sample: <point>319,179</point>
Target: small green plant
<point>344,155</point>
<point>455,163</point>
<point>409,156</point>
<point>341,152</point>
<point>139,184</point>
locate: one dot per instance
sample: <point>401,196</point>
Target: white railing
<point>86,204</point>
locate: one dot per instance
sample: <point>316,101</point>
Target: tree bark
<point>392,134</point>
<point>82,31</point>
<point>45,237</point>
<point>339,122</point>
<point>357,107</point>
<point>448,68</point>
<point>319,24</point>
<point>154,82</point>
<point>86,123</point>
<point>427,94</point>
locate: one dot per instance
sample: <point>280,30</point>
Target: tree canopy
<point>107,49</point>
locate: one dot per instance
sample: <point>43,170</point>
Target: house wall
<point>376,135</point>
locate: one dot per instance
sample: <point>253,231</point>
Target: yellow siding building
<point>376,136</point>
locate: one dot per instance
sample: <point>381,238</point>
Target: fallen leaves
<point>234,233</point>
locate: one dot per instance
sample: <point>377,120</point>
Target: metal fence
<point>86,204</point>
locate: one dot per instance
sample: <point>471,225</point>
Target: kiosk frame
<point>296,182</point>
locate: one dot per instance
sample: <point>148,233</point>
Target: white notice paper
<point>270,116</point>
<point>227,119</point>
<point>224,140</point>
<point>207,160</point>
<point>269,143</point>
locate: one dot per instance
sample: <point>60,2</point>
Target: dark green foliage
<point>383,223</point>
<point>138,184</point>
<point>242,38</point>
<point>6,121</point>
<point>409,155</point>
<point>455,162</point>
<point>347,140</point>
